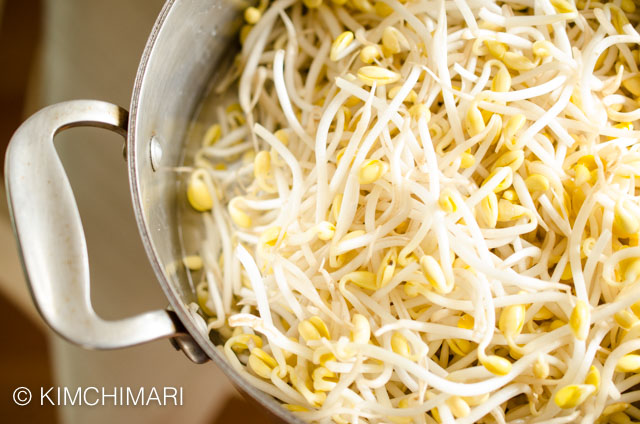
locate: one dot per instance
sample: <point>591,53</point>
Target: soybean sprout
<point>427,210</point>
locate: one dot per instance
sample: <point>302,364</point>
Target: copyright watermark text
<point>100,396</point>
<point>21,396</point>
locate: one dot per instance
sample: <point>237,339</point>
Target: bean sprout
<point>428,210</point>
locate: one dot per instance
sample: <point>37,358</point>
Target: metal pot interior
<point>184,54</point>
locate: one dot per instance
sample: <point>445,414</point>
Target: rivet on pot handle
<point>47,225</point>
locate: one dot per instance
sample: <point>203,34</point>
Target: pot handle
<point>51,239</point>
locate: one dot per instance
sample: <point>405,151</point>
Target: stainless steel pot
<point>184,49</point>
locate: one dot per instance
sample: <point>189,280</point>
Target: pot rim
<point>256,395</point>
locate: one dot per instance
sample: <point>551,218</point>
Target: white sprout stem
<point>283,97</point>
<point>528,93</point>
<point>439,40</point>
<point>498,398</point>
<point>321,154</point>
<point>293,203</point>
<point>217,302</point>
<point>256,283</point>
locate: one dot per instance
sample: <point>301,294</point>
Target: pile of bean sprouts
<point>427,210</point>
